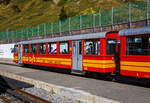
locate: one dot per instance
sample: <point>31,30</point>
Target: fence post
<point>80,23</point>
<point>112,18</point>
<point>45,30</point>
<point>60,27</point>
<point>21,35</point>
<point>52,28</point>
<point>100,20</point>
<point>39,31</point>
<point>27,34</point>
<point>94,22</point>
<point>130,19</point>
<point>15,35</point>
<point>7,35</point>
<point>147,12</point>
<point>32,31</point>
<point>69,26</point>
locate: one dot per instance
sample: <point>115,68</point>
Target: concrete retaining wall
<point>67,92</point>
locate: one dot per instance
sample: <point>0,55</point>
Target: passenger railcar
<point>135,52</point>
<point>126,52</point>
<point>88,52</point>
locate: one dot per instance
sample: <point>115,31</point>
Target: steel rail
<point>18,94</point>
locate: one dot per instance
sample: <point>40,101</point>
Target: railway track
<point>7,98</point>
<point>13,95</point>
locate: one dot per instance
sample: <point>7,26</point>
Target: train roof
<point>137,31</point>
<point>66,38</point>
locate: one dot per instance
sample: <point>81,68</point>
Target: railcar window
<point>52,48</point>
<point>80,47</point>
<point>26,48</point>
<point>64,48</point>
<point>33,49</point>
<point>111,46</point>
<point>92,47</point>
<point>138,45</point>
<point>42,48</point>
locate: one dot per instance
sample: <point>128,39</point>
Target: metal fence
<point>127,13</point>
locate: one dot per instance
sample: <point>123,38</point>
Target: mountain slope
<point>19,14</point>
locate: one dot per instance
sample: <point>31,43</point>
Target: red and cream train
<point>126,52</point>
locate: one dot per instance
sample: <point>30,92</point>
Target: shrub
<point>63,14</point>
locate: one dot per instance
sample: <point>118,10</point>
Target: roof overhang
<point>137,31</point>
<point>66,38</point>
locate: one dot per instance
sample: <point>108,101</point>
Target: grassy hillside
<point>19,14</point>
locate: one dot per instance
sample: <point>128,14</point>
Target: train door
<point>117,56</point>
<point>77,56</point>
<point>19,54</point>
<point>113,49</point>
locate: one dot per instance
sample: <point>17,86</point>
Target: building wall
<point>6,51</point>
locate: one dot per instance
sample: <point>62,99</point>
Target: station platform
<point>125,93</point>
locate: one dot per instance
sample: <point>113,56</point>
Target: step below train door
<point>77,57</point>
<point>19,54</point>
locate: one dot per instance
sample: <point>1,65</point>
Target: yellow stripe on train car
<point>48,60</point>
<point>135,63</point>
<point>99,65</point>
<point>98,61</point>
<point>56,59</point>
<point>134,68</point>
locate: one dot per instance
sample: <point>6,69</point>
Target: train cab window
<point>92,47</point>
<point>33,49</point>
<point>138,45</point>
<point>26,48</point>
<point>111,46</point>
<point>15,50</point>
<point>42,48</point>
<point>64,48</point>
<point>52,48</point>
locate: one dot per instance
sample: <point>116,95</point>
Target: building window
<point>52,48</point>
<point>33,49</point>
<point>26,48</point>
<point>138,45</point>
<point>92,47</point>
<point>64,48</point>
<point>111,46</point>
<point>42,48</point>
